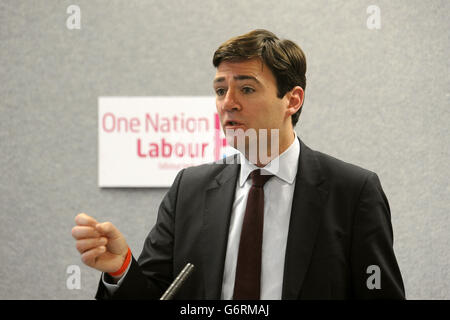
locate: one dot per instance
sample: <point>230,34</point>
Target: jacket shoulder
<point>203,174</point>
<point>341,171</point>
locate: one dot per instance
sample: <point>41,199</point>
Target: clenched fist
<point>101,245</point>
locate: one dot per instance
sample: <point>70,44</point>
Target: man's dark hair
<point>284,58</point>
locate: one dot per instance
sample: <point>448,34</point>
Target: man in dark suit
<point>314,228</point>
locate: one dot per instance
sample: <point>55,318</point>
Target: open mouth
<point>232,123</point>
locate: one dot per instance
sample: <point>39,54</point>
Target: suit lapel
<point>307,211</point>
<point>219,200</point>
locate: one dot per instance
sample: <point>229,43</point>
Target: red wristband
<point>123,267</point>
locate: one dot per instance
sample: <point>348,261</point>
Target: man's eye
<point>248,90</point>
<point>220,92</point>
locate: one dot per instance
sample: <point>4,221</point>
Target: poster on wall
<point>146,141</point>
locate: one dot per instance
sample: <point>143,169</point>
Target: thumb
<point>108,229</point>
<point>116,242</point>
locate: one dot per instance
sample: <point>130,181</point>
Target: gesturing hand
<point>101,245</point>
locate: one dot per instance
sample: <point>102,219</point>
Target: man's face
<point>246,98</point>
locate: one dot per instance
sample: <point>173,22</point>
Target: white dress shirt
<point>278,194</point>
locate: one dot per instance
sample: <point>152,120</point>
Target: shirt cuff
<point>112,287</point>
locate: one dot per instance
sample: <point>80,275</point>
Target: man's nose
<point>230,102</point>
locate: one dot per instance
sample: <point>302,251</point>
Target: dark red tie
<point>247,284</point>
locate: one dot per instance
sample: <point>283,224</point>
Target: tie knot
<point>258,179</point>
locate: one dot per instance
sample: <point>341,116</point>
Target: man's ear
<point>295,100</point>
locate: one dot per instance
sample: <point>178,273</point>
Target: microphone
<point>178,282</point>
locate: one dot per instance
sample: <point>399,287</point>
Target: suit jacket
<point>340,226</point>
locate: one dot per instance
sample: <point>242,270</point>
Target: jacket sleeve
<point>374,268</point>
<point>152,273</point>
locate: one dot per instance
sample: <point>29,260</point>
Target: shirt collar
<point>286,169</point>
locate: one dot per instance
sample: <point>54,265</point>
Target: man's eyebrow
<point>220,79</point>
<point>246,77</point>
<point>238,77</point>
